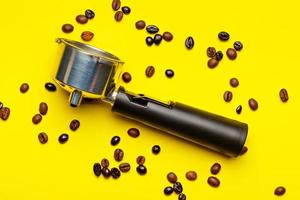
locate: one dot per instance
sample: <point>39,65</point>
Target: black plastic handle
<point>215,132</point>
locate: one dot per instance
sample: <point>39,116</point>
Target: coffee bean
<point>118,155</point>
<point>126,10</point>
<point>181,196</point>
<point>106,172</point>
<point>156,149</point>
<point>149,41</point>
<point>168,190</point>
<point>63,138</point>
<point>169,73</point>
<point>141,169</point>
<point>140,24</point>
<point>219,55</point>
<point>234,82</point>
<point>43,138</point>
<point>224,36</point>
<point>212,63</point>
<point>43,108</point>
<point>211,52</point>
<point>82,19</point>
<point>67,28</point>
<point>231,53</point>
<point>119,16</point>
<point>116,4</point>
<point>104,163</point>
<point>177,187</point>
<point>157,39</point>
<point>284,95</point>
<point>74,124</point>
<point>50,87</point>
<point>239,109</point>
<point>24,87</point>
<point>213,181</point>
<point>126,77</point>
<point>189,42</point>
<point>253,104</point>
<point>152,29</point>
<point>150,70</point>
<point>4,113</point>
<point>115,172</point>
<point>37,118</point>
<point>167,36</point>
<point>172,178</point>
<point>238,46</point>
<point>124,167</point>
<point>87,35</point>
<point>140,160</point>
<point>97,169</point>
<point>89,14</point>
<point>133,132</point>
<point>244,150</point>
<point>115,140</point>
<point>191,175</point>
<point>215,168</point>
<point>1,105</point>
<point>227,96</point>
<point>279,191</point>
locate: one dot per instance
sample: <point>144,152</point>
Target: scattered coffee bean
<point>234,82</point>
<point>116,4</point>
<point>253,104</point>
<point>239,109</point>
<point>189,42</point>
<point>167,36</point>
<point>104,163</point>
<point>149,41</point>
<point>97,169</point>
<point>177,187</point>
<point>215,168</point>
<point>157,39</point>
<point>168,190</point>
<point>87,35</point>
<point>212,63</point>
<point>156,149</point>
<point>141,24</point>
<point>63,138</point>
<point>43,108</point>
<point>182,196</point>
<point>141,169</point>
<point>224,36</point>
<point>118,155</point>
<point>50,87</point>
<point>106,172</point>
<point>238,45</point>
<point>24,87</point>
<point>1,105</point>
<point>74,124</point>
<point>140,160</point>
<point>43,138</point>
<point>191,175</point>
<point>119,16</point>
<point>126,77</point>
<point>133,132</point>
<point>4,113</point>
<point>152,29</point>
<point>219,55</point>
<point>231,53</point>
<point>126,10</point>
<point>169,73</point>
<point>67,28</point>
<point>211,52</point>
<point>37,118</point>
<point>115,140</point>
<point>81,19</point>
<point>150,70</point>
<point>213,181</point>
<point>172,178</point>
<point>284,95</point>
<point>244,150</point>
<point>124,167</point>
<point>279,191</point>
<point>115,172</point>
<point>227,96</point>
<point>89,14</point>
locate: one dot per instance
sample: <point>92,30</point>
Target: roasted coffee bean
<point>115,172</point>
<point>234,82</point>
<point>74,124</point>
<point>149,41</point>
<point>189,42</point>
<point>81,19</point>
<point>37,118</point>
<point>97,169</point>
<point>156,149</point>
<point>172,178</point>
<point>24,87</point>
<point>215,168</point>
<point>115,140</point>
<point>116,4</point>
<point>181,196</point>
<point>168,190</point>
<point>152,29</point>
<point>87,35</point>
<point>63,138</point>
<point>126,10</point>
<point>284,95</point>
<point>140,160</point>
<point>213,181</point>
<point>227,96</point>
<point>211,52</point>
<point>43,108</point>
<point>219,55</point>
<point>141,24</point>
<point>224,36</point>
<point>67,28</point>
<point>119,16</point>
<point>50,87</point>
<point>231,53</point>
<point>169,73</point>
<point>167,36</point>
<point>253,104</point>
<point>238,45</point>
<point>191,175</point>
<point>239,109</point>
<point>118,155</point>
<point>212,63</point>
<point>104,163</point>
<point>89,14</point>
<point>141,169</point>
<point>124,167</point>
<point>43,138</point>
<point>244,150</point>
<point>126,77</point>
<point>106,172</point>
<point>4,113</point>
<point>157,39</point>
<point>177,187</point>
<point>150,70</point>
<point>1,105</point>
<point>133,132</point>
<point>279,191</point>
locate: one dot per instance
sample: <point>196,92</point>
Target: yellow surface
<point>268,62</point>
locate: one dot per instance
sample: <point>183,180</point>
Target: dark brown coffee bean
<point>119,16</point>
<point>67,28</point>
<point>115,172</point>
<point>152,29</point>
<point>238,46</point>
<point>37,118</point>
<point>124,167</point>
<point>115,140</point>
<point>189,42</point>
<point>172,178</point>
<point>191,175</point>
<point>279,191</point>
<point>50,87</point>
<point>82,19</point>
<point>74,124</point>
<point>149,41</point>
<point>181,196</point>
<point>63,138</point>
<point>133,132</point>
<point>219,55</point>
<point>234,82</point>
<point>89,14</point>
<point>126,10</point>
<point>177,187</point>
<point>284,95</point>
<point>4,113</point>
<point>141,24</point>
<point>169,73</point>
<point>239,109</point>
<point>213,181</point>
<point>253,104</point>
<point>43,108</point>
<point>140,160</point>
<point>156,149</point>
<point>104,163</point>
<point>43,138</point>
<point>141,169</point>
<point>215,168</point>
<point>231,53</point>
<point>126,77</point>
<point>157,39</point>
<point>106,172</point>
<point>211,52</point>
<point>87,35</point>
<point>24,87</point>
<point>227,96</point>
<point>97,169</point>
<point>224,36</point>
<point>167,36</point>
<point>150,70</point>
<point>168,190</point>
<point>116,4</point>
<point>244,150</point>
<point>118,155</point>
<point>212,63</point>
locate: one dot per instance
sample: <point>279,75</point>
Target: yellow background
<point>269,61</point>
